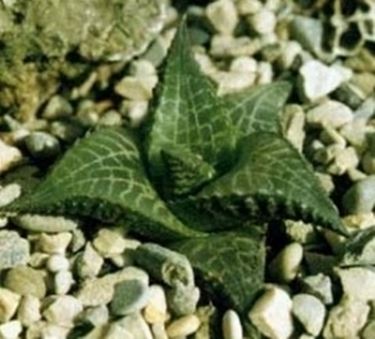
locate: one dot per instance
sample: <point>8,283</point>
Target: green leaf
<point>188,113</point>
<point>103,177</point>
<point>271,179</point>
<point>258,109</point>
<point>231,265</point>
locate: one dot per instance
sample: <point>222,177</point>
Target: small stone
<point>344,161</point>
<point>295,123</point>
<point>265,73</point>
<point>318,80</point>
<point>360,198</point>
<point>271,314</point>
<point>26,280</point>
<point>14,250</point>
<point>320,286</point>
<point>111,118</point>
<point>89,262</point>
<point>369,330</point>
<point>330,112</point>
<point>9,156</point>
<point>231,324</point>
<point>355,132</point>
<point>10,330</point>
<point>359,221</point>
<point>231,82</point>
<point>109,243</point>
<point>135,111</point>
<point>207,316</point>
<point>96,316</point>
<point>182,299</point>
<point>9,193</point>
<point>300,232</point>
<point>163,264</point>
<point>368,163</point>
<point>38,260</point>
<point>8,304</point>
<point>63,310</point>
<point>243,64</point>
<point>223,16</point>
<point>136,325</point>
<point>42,145</point>
<point>184,326</point>
<point>29,310</point>
<point>263,21</point>
<point>156,308</point>
<point>346,319</point>
<point>54,244</point>
<point>47,224</point>
<point>63,281</point>
<point>129,296</point>
<point>57,262</point>
<point>67,131</point>
<point>57,107</point>
<point>115,331</point>
<point>99,291</point>
<point>78,240</point>
<point>289,53</point>
<point>358,283</point>
<point>142,67</point>
<point>310,311</point>
<point>285,266</point>
<point>136,88</point>
<point>228,46</point>
<point>158,331</point>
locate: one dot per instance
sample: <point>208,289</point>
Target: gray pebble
<point>42,145</point>
<point>97,316</point>
<point>182,300</point>
<point>136,325</point>
<point>57,107</point>
<point>319,285</point>
<point>14,250</point>
<point>310,311</point>
<point>26,280</point>
<point>360,198</point>
<point>129,296</point>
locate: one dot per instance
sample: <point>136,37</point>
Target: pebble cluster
<point>57,282</point>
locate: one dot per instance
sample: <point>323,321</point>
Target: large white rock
<point>318,80</point>
<point>272,314</point>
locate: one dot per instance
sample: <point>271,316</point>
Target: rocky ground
<point>60,281</point>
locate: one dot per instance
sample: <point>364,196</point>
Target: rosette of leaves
<point>200,177</point>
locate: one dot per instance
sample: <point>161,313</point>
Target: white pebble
<point>263,22</point>
<point>232,328</point>
<point>54,244</point>
<point>63,281</point>
<point>265,73</point>
<point>285,266</point>
<point>10,330</point>
<point>243,64</point>
<point>223,16</point>
<point>159,332</point>
<point>9,156</point>
<point>9,193</point>
<point>136,88</point>
<point>8,304</point>
<point>29,310</point>
<point>57,262</point>
<point>318,80</point>
<point>109,243</point>
<point>245,7</point>
<point>63,310</point>
<point>156,308</point>
<point>183,326</point>
<point>271,314</point>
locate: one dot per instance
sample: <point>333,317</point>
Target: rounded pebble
<point>184,326</point>
<point>232,328</point>
<point>57,262</point>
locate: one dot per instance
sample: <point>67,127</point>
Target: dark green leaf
<point>188,113</point>
<point>258,109</point>
<point>231,264</point>
<point>103,177</point>
<point>272,179</point>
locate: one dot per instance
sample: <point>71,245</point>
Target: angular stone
<point>9,193</point>
<point>183,300</point>
<point>57,262</point>
<point>136,325</point>
<point>129,296</point>
<point>263,21</point>
<point>26,280</point>
<point>89,263</point>
<point>318,80</point>
<point>62,282</point>
<point>223,16</point>
<point>14,250</point>
<point>10,330</point>
<point>310,311</point>
<point>42,145</point>
<point>346,319</point>
<point>330,112</point>
<point>57,107</point>
<point>54,244</point>
<point>109,243</point>
<point>271,314</point>
<point>29,310</point>
<point>319,285</point>
<point>97,316</point>
<point>99,291</point>
<point>63,310</point>
<point>158,331</point>
<point>115,331</point>
<point>8,304</point>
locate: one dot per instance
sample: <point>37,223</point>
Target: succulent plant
<point>203,176</point>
